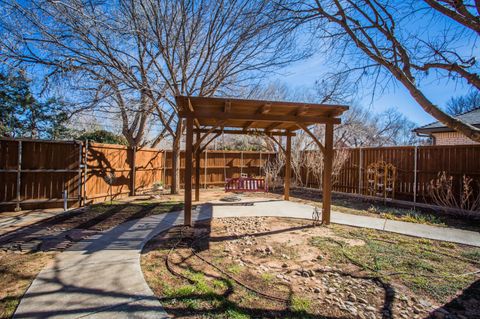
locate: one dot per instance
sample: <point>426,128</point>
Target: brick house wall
<point>451,138</point>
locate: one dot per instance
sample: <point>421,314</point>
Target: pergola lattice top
<point>256,115</point>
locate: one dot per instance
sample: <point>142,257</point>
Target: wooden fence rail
<point>36,173</point>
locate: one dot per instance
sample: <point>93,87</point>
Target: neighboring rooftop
<point>471,117</point>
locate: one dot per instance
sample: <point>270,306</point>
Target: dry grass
<point>429,268</point>
<point>17,271</point>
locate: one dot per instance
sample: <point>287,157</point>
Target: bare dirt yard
<point>263,267</point>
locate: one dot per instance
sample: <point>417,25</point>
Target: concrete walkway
<point>100,277</point>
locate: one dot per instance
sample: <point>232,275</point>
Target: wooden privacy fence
<point>37,173</point>
<point>415,167</point>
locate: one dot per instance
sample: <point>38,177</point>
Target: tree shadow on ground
<point>467,304</point>
<point>79,223</point>
<point>211,302</point>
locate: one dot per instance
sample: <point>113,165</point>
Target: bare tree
<point>208,47</point>
<point>462,104</point>
<point>132,57</point>
<point>272,169</point>
<point>313,163</point>
<point>376,37</point>
<point>92,47</point>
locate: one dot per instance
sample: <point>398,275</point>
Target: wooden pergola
<point>209,117</point>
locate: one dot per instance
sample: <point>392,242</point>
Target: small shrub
<point>266,276</point>
<point>441,190</point>
<point>235,314</point>
<point>300,304</point>
<point>235,269</point>
<point>472,254</point>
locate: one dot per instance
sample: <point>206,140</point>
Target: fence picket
<point>48,168</point>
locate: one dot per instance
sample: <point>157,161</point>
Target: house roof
<point>258,115</point>
<point>471,117</point>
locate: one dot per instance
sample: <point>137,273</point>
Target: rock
<point>331,290</point>
<point>284,265</point>
<point>352,297</point>
<point>352,310</point>
<point>363,301</point>
<point>370,309</point>
<point>316,290</point>
<point>371,315</point>
<point>424,303</point>
<point>269,250</point>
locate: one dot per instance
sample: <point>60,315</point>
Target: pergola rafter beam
<point>302,110</point>
<point>272,126</point>
<point>262,110</point>
<point>227,107</point>
<point>259,117</point>
<point>190,107</point>
<point>247,132</point>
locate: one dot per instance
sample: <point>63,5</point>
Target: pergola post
<point>197,169</point>
<point>327,173</point>
<point>288,168</point>
<point>211,115</point>
<point>188,173</point>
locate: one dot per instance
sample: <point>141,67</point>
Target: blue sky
<point>425,25</point>
<point>306,72</point>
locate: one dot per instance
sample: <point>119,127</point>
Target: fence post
<point>241,163</point>
<point>80,149</point>
<point>360,175</point>
<point>19,172</point>
<point>205,168</point>
<point>85,171</point>
<point>165,169</point>
<point>415,159</point>
<point>260,165</point>
<point>133,171</point>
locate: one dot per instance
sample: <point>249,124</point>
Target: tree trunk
<point>175,187</point>
<point>468,130</point>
